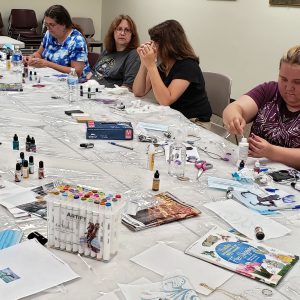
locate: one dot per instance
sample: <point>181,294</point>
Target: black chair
<point>87,26</point>
<point>93,58</point>
<point>1,25</point>
<point>22,25</point>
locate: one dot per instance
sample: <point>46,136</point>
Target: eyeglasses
<point>51,25</point>
<point>125,30</point>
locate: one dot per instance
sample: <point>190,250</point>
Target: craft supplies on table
<point>84,220</point>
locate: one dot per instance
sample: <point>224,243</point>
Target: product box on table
<point>97,130</point>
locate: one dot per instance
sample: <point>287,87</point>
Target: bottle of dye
<point>151,157</point>
<point>31,165</point>
<point>18,173</point>
<point>156,182</point>
<point>16,143</point>
<point>41,172</point>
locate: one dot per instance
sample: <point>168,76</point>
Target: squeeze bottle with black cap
<point>41,172</point>
<point>243,149</point>
<point>156,181</point>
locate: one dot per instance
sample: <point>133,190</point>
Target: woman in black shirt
<point>177,81</point>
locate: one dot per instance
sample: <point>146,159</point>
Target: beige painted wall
<point>244,38</point>
<point>76,8</point>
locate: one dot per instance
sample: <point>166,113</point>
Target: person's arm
<point>259,147</point>
<point>163,95</point>
<point>238,113</point>
<point>141,85</point>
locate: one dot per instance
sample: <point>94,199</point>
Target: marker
<point>87,145</point>
<point>119,145</point>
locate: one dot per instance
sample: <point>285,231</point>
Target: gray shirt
<point>117,68</point>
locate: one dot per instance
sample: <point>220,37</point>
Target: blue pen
<point>119,145</point>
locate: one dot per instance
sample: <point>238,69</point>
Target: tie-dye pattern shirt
<point>274,122</point>
<point>74,48</point>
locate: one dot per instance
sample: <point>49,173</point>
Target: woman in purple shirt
<point>274,109</point>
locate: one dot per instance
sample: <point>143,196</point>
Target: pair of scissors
<point>202,166</point>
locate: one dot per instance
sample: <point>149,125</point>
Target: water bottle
<point>17,61</point>
<point>177,159</point>
<point>73,85</point>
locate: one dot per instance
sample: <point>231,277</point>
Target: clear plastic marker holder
<point>84,221</point>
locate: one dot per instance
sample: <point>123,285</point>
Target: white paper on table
<point>32,268</point>
<point>10,188</point>
<point>246,220</point>
<point>112,295</point>
<point>175,286</point>
<point>19,198</point>
<point>163,260</point>
<point>152,126</point>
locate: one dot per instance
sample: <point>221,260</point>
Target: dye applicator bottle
<point>41,172</point>
<point>156,181</point>
<point>16,143</point>
<point>243,149</point>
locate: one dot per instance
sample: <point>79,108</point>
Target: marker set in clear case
<point>84,221</point>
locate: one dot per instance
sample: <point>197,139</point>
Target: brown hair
<point>61,16</point>
<point>109,40</point>
<point>291,56</point>
<point>172,41</point>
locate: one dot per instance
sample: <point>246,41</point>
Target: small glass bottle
<point>31,165</point>
<point>41,172</point>
<point>177,158</point>
<point>28,143</point>
<point>8,62</point>
<point>32,145</point>
<point>25,170</point>
<point>16,143</point>
<point>151,157</point>
<point>156,182</point>
<point>18,173</point>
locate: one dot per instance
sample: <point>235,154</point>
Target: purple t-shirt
<point>274,122</point>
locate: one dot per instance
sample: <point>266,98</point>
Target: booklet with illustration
<point>168,209</point>
<point>243,256</point>
<point>268,200</point>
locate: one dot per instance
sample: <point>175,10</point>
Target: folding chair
<point>87,26</point>
<point>1,25</point>
<point>22,25</point>
<point>218,89</point>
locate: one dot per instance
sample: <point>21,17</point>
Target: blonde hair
<point>291,56</point>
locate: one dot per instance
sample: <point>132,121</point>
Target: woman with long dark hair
<point>170,67</point>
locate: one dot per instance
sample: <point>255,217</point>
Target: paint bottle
<point>151,157</point>
<point>32,145</point>
<point>28,143</point>
<point>22,157</point>
<point>18,174</point>
<point>41,173</point>
<point>243,149</point>
<point>156,182</point>
<point>256,168</point>
<point>26,69</point>
<point>259,234</point>
<point>30,75</point>
<point>89,93</point>
<point>241,165</point>
<point>81,91</point>
<point>31,165</point>
<point>16,143</point>
<point>35,76</point>
<point>8,62</point>
<point>25,170</point>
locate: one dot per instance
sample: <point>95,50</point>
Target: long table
<point>39,112</point>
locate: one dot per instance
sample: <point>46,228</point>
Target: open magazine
<point>243,256</point>
<point>168,209</point>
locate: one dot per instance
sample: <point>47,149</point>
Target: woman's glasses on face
<point>121,30</point>
<point>50,25</point>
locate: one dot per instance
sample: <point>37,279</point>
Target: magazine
<point>268,201</point>
<point>243,256</point>
<point>168,209</point>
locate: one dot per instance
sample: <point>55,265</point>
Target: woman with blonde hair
<point>274,109</point>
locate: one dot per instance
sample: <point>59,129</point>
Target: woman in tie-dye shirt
<point>63,46</point>
<point>274,108</point>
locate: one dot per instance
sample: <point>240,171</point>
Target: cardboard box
<point>97,130</point>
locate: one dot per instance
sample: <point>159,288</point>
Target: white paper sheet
<point>172,287</point>
<point>245,220</point>
<point>30,268</point>
<point>16,199</point>
<point>163,260</point>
